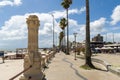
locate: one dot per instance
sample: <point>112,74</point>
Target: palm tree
<point>66,4</point>
<point>88,53</point>
<point>63,24</point>
<point>61,35</point>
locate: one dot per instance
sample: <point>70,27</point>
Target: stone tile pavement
<point>64,67</point>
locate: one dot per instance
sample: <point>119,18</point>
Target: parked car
<point>93,50</point>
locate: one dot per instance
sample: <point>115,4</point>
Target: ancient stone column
<point>33,57</point>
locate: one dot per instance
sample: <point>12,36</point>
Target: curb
<point>114,71</point>
<point>106,64</point>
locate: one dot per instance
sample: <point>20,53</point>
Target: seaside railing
<point>44,61</point>
<point>20,73</point>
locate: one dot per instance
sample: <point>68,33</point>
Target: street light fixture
<point>75,35</point>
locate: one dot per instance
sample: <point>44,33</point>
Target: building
<point>77,44</point>
<point>97,41</point>
<point>98,38</point>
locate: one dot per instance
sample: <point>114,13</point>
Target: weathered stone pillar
<point>33,57</point>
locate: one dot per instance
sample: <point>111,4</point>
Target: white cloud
<point>46,29</point>
<point>10,3</point>
<point>17,2</point>
<point>60,14</point>
<point>97,25</point>
<point>78,11</point>
<point>115,15</point>
<point>82,30</point>
<point>82,9</point>
<point>14,30</point>
<point>73,23</point>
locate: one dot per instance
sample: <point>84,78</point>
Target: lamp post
<point>113,38</point>
<point>106,38</point>
<point>75,35</point>
<point>53,30</point>
<point>56,38</point>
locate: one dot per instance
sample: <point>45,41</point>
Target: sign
<point>1,53</point>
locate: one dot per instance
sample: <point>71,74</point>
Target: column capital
<point>33,21</point>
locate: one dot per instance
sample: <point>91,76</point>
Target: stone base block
<point>23,78</point>
<point>33,77</point>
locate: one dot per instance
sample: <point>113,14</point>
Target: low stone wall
<point>114,70</point>
<point>107,65</point>
<point>102,62</point>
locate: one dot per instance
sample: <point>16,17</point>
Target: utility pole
<point>53,29</point>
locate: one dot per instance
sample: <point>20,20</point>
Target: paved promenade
<point>64,67</point>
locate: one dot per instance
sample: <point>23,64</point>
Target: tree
<point>88,53</point>
<point>61,35</point>
<point>66,4</point>
<point>63,24</point>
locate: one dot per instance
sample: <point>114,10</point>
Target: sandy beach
<point>10,68</point>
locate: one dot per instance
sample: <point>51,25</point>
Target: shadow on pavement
<point>76,72</point>
<point>2,63</point>
<point>44,79</point>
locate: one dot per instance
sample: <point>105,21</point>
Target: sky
<point>104,20</point>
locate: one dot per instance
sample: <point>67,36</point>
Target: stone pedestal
<point>33,57</point>
<point>34,73</point>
